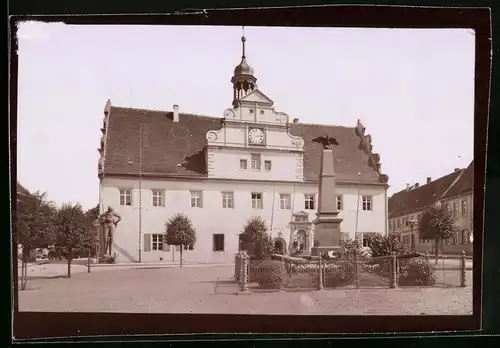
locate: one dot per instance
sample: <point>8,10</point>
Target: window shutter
<point>147,242</point>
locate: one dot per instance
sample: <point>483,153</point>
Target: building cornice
<point>211,179</point>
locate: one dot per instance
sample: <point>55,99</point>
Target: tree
<point>180,231</point>
<point>385,245</point>
<point>72,231</point>
<point>437,224</point>
<point>35,226</point>
<point>255,234</point>
<point>92,235</point>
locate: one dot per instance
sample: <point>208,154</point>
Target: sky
<point>413,89</point>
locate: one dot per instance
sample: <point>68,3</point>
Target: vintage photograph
<point>245,170</point>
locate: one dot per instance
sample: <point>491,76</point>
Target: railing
<point>288,274</point>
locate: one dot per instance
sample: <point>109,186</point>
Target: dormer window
<point>243,164</point>
<point>267,166</point>
<point>255,161</point>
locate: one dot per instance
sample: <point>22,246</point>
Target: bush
<point>340,273</point>
<point>270,274</point>
<point>416,272</point>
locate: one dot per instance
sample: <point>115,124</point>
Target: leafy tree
<point>256,236</point>
<point>385,245</point>
<point>437,224</point>
<point>35,222</point>
<point>180,231</point>
<point>93,234</point>
<point>72,231</point>
<point>35,226</point>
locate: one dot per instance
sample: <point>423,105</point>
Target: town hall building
<point>253,160</point>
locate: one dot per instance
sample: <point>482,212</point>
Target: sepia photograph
<point>246,170</point>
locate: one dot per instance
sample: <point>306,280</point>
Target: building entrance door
<point>173,253</point>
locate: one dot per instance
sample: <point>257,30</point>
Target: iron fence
<point>289,274</point>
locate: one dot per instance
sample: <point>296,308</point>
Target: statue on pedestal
<point>109,221</point>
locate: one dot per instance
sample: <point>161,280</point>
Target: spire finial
<point>243,39</point>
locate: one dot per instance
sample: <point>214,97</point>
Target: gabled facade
<point>454,191</point>
<point>220,171</point>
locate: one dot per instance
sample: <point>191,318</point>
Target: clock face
<point>229,113</point>
<point>256,136</point>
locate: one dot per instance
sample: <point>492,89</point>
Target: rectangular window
<point>455,209</point>
<point>255,157</point>
<point>157,242</point>
<point>405,222</point>
<point>196,199</point>
<point>465,237</point>
<point>399,223</point>
<point>448,209</point>
<point>464,208</point>
<point>188,247</point>
<point>125,197</point>
<point>340,203</point>
<point>367,203</point>
<point>218,242</point>
<point>390,225</point>
<point>267,166</point>
<point>158,197</point>
<point>257,200</point>
<point>310,200</point>
<point>227,200</point>
<point>243,164</point>
<point>285,201</point>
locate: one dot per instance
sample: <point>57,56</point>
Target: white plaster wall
<point>225,163</point>
<point>213,219</point>
<point>463,222</point>
<point>235,134</point>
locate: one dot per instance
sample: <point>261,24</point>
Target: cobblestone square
<point>210,290</point>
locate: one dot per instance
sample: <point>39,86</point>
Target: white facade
<point>252,153</point>
<point>212,218</point>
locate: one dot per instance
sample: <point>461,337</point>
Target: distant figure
<point>109,224</point>
<point>326,141</point>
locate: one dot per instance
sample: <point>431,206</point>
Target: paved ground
<point>208,290</point>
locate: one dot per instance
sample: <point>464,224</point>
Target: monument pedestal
<point>327,235</point>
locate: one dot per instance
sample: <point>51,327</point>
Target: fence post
<point>237,267</point>
<point>242,266</point>
<point>320,274</point>
<point>463,277</point>
<point>244,282</point>
<point>394,270</point>
<point>356,269</point>
<point>88,263</point>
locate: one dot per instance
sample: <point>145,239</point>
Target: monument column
<point>327,234</point>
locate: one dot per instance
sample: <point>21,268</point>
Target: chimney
<point>295,120</point>
<point>176,113</point>
<point>429,179</point>
<point>457,169</point>
<point>417,185</point>
<point>407,186</point>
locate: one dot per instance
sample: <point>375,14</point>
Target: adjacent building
<point>454,191</point>
<point>220,171</point>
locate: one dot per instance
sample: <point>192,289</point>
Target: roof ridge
<point>462,171</point>
<point>124,108</point>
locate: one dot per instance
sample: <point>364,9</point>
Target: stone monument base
<point>316,251</point>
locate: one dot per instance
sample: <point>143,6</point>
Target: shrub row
<point>271,274</point>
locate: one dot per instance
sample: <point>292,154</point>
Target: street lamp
<point>412,227</point>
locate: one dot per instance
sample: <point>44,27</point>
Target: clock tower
<point>254,142</point>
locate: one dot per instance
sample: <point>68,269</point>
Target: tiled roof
<point>464,184</point>
<point>178,148</point>
<point>406,201</point>
<point>21,190</point>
